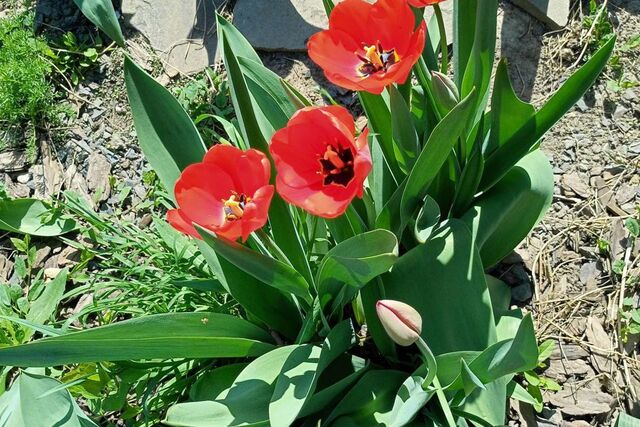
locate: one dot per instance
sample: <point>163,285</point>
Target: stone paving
<point>184,35</point>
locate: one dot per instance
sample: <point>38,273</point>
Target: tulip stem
<point>272,246</point>
<point>444,46</point>
<point>432,378</point>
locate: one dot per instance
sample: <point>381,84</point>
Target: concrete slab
<point>553,13</point>
<point>279,25</point>
<point>183,32</point>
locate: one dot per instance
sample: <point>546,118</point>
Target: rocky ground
<point>567,272</point>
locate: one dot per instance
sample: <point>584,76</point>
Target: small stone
<point>52,272</point>
<point>575,184</point>
<point>41,256</point>
<point>560,369</point>
<point>626,193</point>
<point>581,402</point>
<point>619,112</point>
<point>6,266</point>
<point>98,175</point>
<point>569,352</point>
<point>23,178</point>
<point>68,257</point>
<point>13,160</point>
<point>145,221</point>
<point>602,346</point>
<point>590,274</point>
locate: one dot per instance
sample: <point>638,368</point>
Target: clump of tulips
<point>356,257</point>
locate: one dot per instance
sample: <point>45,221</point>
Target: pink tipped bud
<point>401,321</point>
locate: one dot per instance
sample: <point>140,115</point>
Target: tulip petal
<point>176,218</point>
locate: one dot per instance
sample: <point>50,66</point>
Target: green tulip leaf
<point>162,336</point>
<point>33,217</point>
<point>35,400</point>
<point>501,218</point>
<point>103,16</point>
<point>166,133</point>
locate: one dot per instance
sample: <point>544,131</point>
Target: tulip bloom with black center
<point>227,193</point>
<point>368,46</point>
<point>321,164</point>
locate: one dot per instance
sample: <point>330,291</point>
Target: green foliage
<point>26,94</point>
<point>449,196</point>
<point>35,400</point>
<point>206,98</point>
<point>74,57</point>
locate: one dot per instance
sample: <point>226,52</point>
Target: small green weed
<point>537,383</point>
<point>206,98</point>
<point>602,30</point>
<point>26,94</point>
<point>74,56</point>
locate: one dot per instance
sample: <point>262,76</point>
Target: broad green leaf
<point>427,220</point>
<point>253,295</point>
<point>30,216</point>
<point>443,280</point>
<point>380,124</point>
<point>509,114</point>
<point>434,154</point>
<point>372,397</point>
<point>246,402</point>
<point>351,264</point>
<point>267,91</point>
<point>360,258</point>
<point>410,399</point>
<point>162,336</point>
<point>522,141</point>
<point>477,74</point>
<point>300,375</point>
<point>507,357</point>
<point>464,30</point>
<point>31,403</point>
<point>516,391</point>
<point>467,185</point>
<point>213,382</point>
<point>240,95</point>
<point>406,144</point>
<point>266,269</point>
<point>45,306</point>
<point>350,369</point>
<point>167,135</point>
<point>103,15</point>
<point>501,218</point>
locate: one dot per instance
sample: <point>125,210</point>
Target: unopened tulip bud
<point>445,90</point>
<point>401,321</point>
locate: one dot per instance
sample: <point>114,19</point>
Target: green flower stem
<point>424,76</point>
<point>432,378</point>
<point>444,46</point>
<point>272,246</point>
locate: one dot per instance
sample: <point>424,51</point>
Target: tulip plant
<point>357,256</point>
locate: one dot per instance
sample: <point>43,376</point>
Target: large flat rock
<point>553,13</point>
<point>183,32</point>
<point>279,25</point>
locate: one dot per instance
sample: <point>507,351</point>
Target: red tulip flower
<point>424,3</point>
<point>321,165</point>
<point>228,193</point>
<point>368,46</point>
